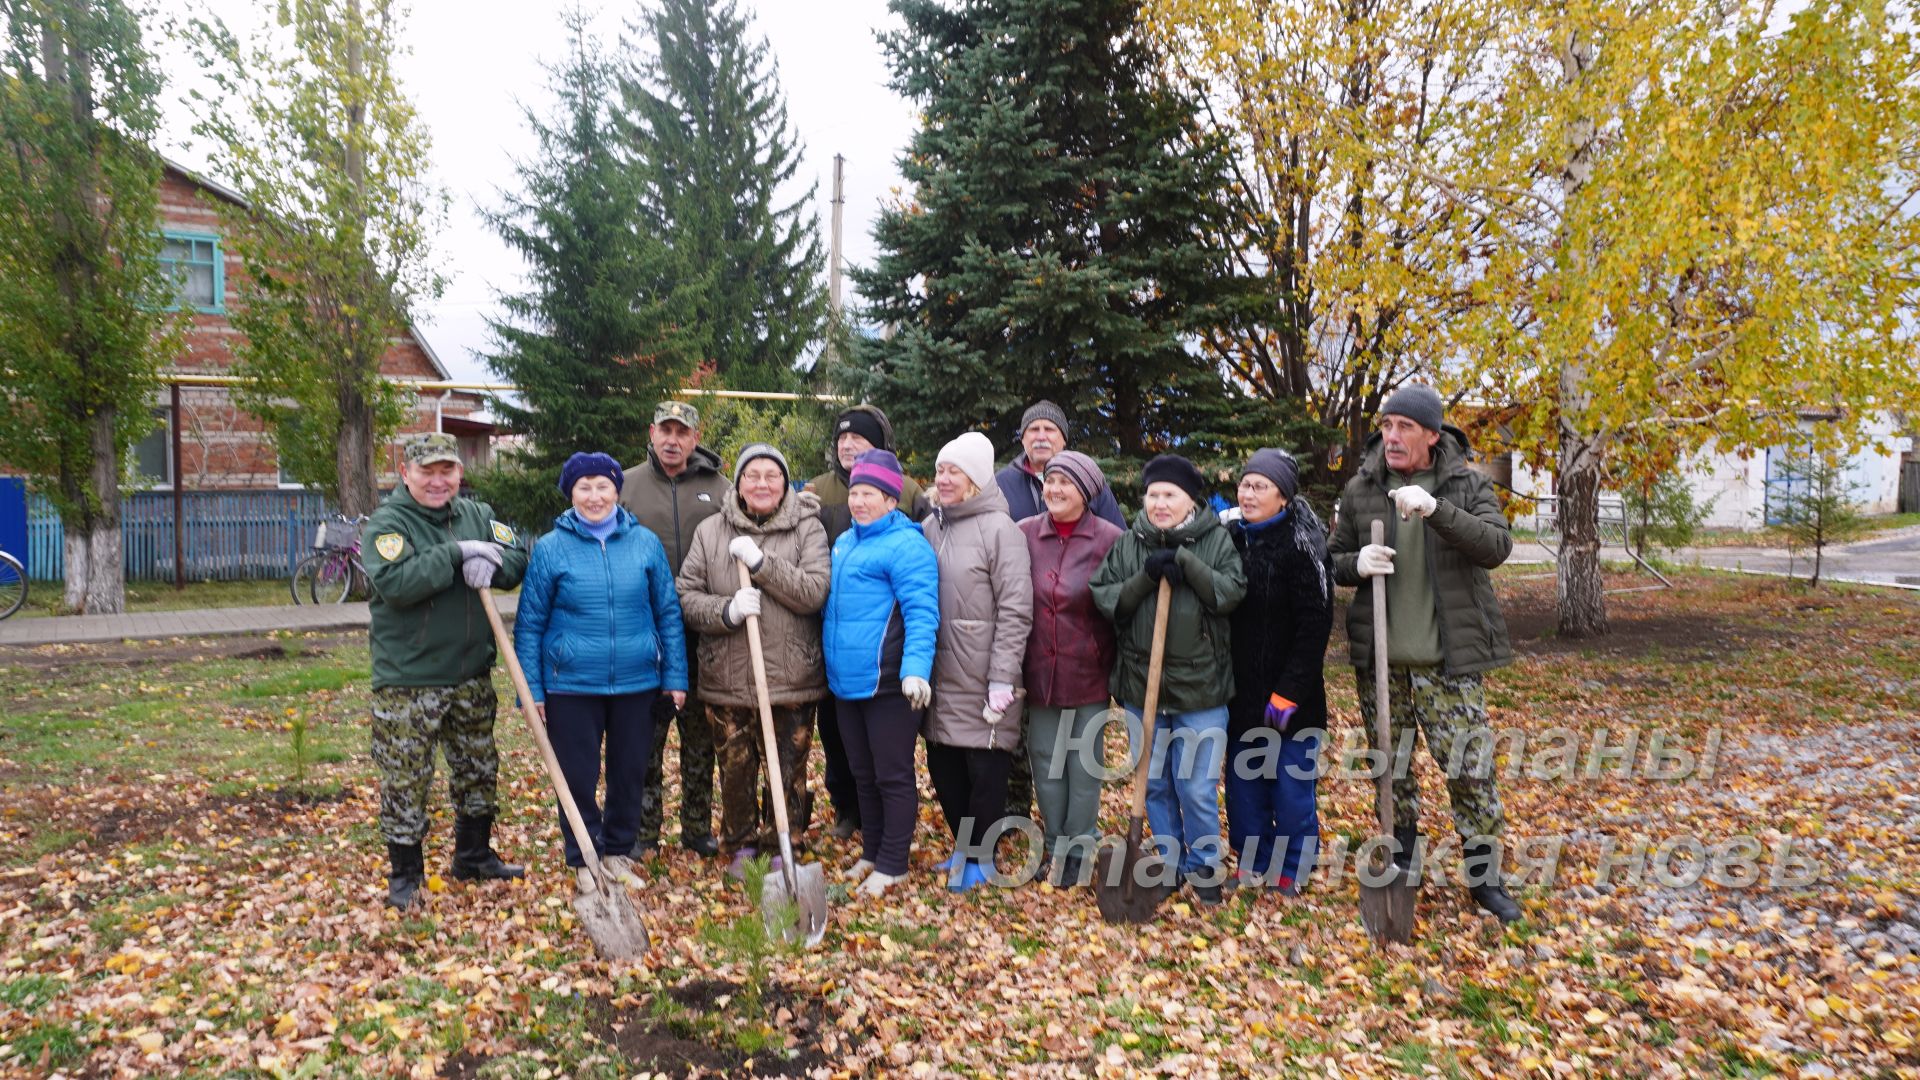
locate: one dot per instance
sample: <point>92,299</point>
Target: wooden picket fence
<point>231,535</point>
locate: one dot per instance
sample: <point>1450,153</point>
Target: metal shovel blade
<point>1131,882</point>
<point>800,915</point>
<point>608,916</point>
<point>1386,909</point>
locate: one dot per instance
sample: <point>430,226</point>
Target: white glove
<point>1412,500</point>
<point>480,549</point>
<point>1230,515</point>
<point>744,549</point>
<point>1376,560</point>
<point>478,572</point>
<point>999,697</point>
<point>744,603</point>
<point>917,691</point>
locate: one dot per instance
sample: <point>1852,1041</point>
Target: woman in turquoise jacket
<point>598,633</point>
<point>882,615</point>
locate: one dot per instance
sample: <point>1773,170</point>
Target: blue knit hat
<point>594,464</point>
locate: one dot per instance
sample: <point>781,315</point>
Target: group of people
<point>999,616</point>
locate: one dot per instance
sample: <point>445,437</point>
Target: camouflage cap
<point>677,410</point>
<point>431,447</point>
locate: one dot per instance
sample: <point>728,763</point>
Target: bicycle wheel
<point>13,585</point>
<point>302,581</point>
<point>332,578</point>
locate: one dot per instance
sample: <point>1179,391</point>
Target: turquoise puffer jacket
<point>597,619</point>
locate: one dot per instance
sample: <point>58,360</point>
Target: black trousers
<point>879,733</point>
<point>577,725</point>
<point>971,785</point>
<point>841,788</point>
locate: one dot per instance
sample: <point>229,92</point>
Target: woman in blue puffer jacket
<point>882,615</point>
<point>598,633</point>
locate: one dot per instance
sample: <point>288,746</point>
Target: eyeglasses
<point>1254,485</point>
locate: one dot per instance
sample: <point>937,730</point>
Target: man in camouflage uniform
<point>427,552</point>
<point>1446,532</point>
<point>680,486</point>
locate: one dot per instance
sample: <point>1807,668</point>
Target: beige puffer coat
<point>986,611</point>
<point>793,586</point>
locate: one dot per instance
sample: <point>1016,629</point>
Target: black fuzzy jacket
<point>1280,630</point>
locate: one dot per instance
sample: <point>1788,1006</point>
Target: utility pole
<point>833,266</point>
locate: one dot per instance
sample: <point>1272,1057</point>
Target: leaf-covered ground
<point>175,899</point>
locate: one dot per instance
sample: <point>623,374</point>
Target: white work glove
<point>478,572</point>
<point>480,549</point>
<point>744,549</point>
<point>744,603</point>
<point>1411,500</point>
<point>1376,560</point>
<point>1230,515</point>
<point>999,697</point>
<point>917,691</point>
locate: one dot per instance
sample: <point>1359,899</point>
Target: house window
<point>153,454</point>
<point>193,261</point>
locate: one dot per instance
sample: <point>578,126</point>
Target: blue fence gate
<point>13,518</point>
<point>230,535</point>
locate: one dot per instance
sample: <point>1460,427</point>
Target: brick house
<point>223,448</point>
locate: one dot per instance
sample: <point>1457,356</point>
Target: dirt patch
<point>675,1047</point>
<point>58,658</point>
<point>257,811</point>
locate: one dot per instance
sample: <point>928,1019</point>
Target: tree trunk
<point>1583,602</point>
<point>353,455</point>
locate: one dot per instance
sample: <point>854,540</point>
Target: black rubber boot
<point>1481,868</point>
<point>473,855</point>
<point>405,872</point>
<point>704,846</point>
<point>1407,841</point>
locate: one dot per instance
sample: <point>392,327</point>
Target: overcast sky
<point>474,62</point>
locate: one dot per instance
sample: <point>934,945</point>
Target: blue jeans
<point>1272,810</point>
<point>1183,784</point>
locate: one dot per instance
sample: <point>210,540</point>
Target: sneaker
<point>877,883</point>
<point>583,877</point>
<point>858,871</point>
<point>621,867</point>
<point>1286,887</point>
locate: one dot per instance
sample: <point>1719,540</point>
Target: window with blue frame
<point>193,261</point>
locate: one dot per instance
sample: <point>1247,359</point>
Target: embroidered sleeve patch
<point>390,545</point>
<point>502,534</point>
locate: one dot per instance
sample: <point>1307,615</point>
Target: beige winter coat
<point>793,588</point>
<point>986,611</point>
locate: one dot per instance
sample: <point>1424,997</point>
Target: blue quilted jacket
<point>599,619</point>
<point>883,608</point>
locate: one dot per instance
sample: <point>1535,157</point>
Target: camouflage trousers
<point>696,771</point>
<point>746,796</point>
<point>1451,711</point>
<point>408,722</point>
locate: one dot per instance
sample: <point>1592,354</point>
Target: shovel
<point>795,902</point>
<point>1130,891</point>
<point>1386,908</point>
<point>607,911</point>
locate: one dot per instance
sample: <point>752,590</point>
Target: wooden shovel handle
<point>581,838</point>
<point>1156,657</point>
<point>1382,719</point>
<point>758,651</point>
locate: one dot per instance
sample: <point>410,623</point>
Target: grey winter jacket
<point>986,612</point>
<point>792,581</point>
<point>1467,536</point>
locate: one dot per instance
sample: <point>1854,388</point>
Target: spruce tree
<point>1052,246</point>
<point>710,134</point>
<point>606,328</point>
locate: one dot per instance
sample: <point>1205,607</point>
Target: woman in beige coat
<point>776,531</point>
<point>986,610</point>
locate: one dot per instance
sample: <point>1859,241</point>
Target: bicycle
<point>13,585</point>
<point>332,572</point>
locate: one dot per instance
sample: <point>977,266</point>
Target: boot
<point>1481,868</point>
<point>473,855</point>
<point>405,872</point>
<point>1407,840</point>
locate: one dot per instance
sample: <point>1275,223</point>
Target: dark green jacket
<point>1467,536</point>
<point>427,627</point>
<point>1197,672</point>
<point>671,507</point>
